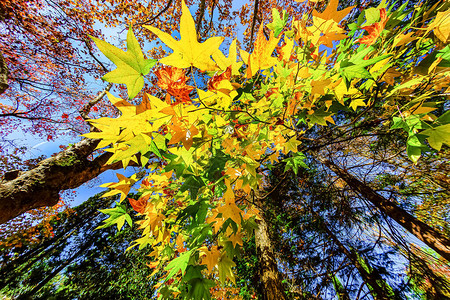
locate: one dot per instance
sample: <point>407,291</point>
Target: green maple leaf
<point>131,65</point>
<point>117,215</point>
<point>200,288</point>
<point>178,264</point>
<point>413,153</point>
<point>193,184</point>
<point>278,23</point>
<point>444,119</point>
<point>294,162</point>
<point>355,67</point>
<point>320,117</point>
<point>225,264</point>
<point>438,135</point>
<point>354,71</point>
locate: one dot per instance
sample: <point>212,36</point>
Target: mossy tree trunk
<point>41,185</point>
<point>271,286</point>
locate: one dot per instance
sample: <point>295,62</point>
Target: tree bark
<point>3,74</point>
<point>422,231</point>
<point>270,279</point>
<point>41,185</point>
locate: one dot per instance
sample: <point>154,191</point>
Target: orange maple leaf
<point>174,81</point>
<point>374,30</point>
<point>154,220</point>
<point>144,105</point>
<point>331,12</point>
<point>186,136</point>
<point>214,82</point>
<point>139,205</point>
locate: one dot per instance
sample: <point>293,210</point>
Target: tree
<point>49,103</point>
<point>221,143</point>
<point>323,243</point>
<point>79,261</point>
<point>309,88</point>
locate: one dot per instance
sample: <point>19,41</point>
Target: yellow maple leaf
<point>122,187</point>
<point>340,90</point>
<point>154,219</point>
<point>328,31</point>
<point>286,50</point>
<point>318,86</point>
<point>356,103</point>
<point>291,145</point>
<point>441,26</point>
<point>261,57</point>
<point>230,209</point>
<point>236,239</point>
<point>403,39</point>
<point>218,222</point>
<point>210,258</point>
<point>224,62</point>
<point>188,51</point>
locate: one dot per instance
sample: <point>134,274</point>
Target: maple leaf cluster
<point>206,147</point>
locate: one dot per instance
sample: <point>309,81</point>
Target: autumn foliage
<point>208,148</point>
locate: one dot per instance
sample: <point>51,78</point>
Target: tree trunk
<point>41,185</point>
<point>422,231</point>
<point>270,279</point>
<point>369,278</point>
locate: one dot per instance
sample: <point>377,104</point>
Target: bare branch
<point>84,111</point>
<point>255,14</point>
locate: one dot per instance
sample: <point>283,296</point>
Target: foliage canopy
<point>210,144</point>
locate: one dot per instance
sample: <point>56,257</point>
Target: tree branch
<point>3,74</point>
<point>41,185</point>
<point>432,238</point>
<point>157,16</point>
<point>84,111</point>
<point>255,13</point>
<point>201,12</point>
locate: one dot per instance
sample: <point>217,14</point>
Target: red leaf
<point>374,30</point>
<point>139,205</point>
<point>174,81</point>
<point>214,82</point>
